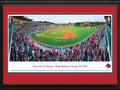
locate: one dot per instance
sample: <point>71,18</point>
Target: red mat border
<point>59,78</point>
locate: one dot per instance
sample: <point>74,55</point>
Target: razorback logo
<point>108,65</point>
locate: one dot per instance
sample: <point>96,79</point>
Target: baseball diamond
<point>57,33</point>
<point>60,36</point>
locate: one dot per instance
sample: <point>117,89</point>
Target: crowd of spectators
<point>23,49</point>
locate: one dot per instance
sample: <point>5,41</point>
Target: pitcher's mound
<point>53,32</point>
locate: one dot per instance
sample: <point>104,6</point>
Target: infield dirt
<point>66,34</point>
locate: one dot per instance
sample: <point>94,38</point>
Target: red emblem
<point>108,65</point>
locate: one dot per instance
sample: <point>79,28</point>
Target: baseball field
<point>61,36</point>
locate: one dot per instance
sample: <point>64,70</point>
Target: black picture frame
<point>59,3</point>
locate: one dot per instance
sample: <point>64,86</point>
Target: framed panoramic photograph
<point>58,44</point>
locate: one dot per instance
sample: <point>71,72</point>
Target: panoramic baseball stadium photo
<point>59,37</point>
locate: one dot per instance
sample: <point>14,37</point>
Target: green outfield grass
<point>81,33</point>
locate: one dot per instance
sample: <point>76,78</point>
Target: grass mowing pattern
<point>81,34</point>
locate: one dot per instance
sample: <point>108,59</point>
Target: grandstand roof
<point>22,18</point>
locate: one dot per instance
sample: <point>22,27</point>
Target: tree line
<point>91,24</point>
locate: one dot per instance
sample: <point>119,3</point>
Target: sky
<point>67,18</point>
